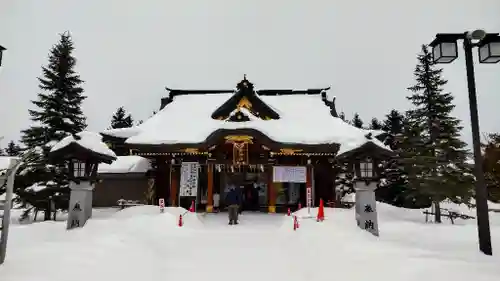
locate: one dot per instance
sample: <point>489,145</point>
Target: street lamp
<point>489,52</point>
<point>1,51</point>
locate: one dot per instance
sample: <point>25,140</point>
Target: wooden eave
<point>217,137</point>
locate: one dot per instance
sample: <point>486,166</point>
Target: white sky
<point>128,51</point>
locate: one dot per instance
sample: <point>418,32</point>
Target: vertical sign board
<point>309,196</point>
<point>189,179</point>
<point>161,203</point>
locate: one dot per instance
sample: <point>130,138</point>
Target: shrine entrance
<point>253,188</point>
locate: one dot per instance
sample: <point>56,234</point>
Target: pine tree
<point>447,176</point>
<point>375,124</point>
<point>58,114</point>
<point>393,125</point>
<point>356,121</point>
<point>344,183</point>
<point>13,149</point>
<point>121,120</point>
<point>492,166</point>
<point>342,116</point>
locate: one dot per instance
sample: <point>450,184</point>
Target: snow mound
<point>138,213</point>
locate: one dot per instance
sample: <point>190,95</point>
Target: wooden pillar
<point>174,186</point>
<point>271,192</point>
<point>210,187</point>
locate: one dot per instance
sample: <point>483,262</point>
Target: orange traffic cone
<point>191,209</point>
<point>288,212</point>
<point>180,221</point>
<point>321,211</point>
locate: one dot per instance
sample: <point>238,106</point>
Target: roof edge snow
<point>126,164</point>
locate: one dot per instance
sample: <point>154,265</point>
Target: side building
<point>274,144</point>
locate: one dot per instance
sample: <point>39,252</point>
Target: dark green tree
<point>121,119</point>
<point>446,176</point>
<point>356,121</point>
<point>375,124</point>
<point>57,114</point>
<point>13,149</point>
<point>491,166</point>
<point>402,174</point>
<point>342,116</point>
<point>393,125</point>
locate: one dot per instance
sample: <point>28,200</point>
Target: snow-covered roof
<point>89,140</point>
<point>303,119</point>
<point>125,164</point>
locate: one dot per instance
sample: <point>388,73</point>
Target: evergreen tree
<point>375,124</point>
<point>58,114</point>
<point>13,149</point>
<point>121,119</point>
<point>344,184</point>
<point>491,166</point>
<point>446,176</point>
<point>356,121</point>
<point>342,116</point>
<point>393,125</point>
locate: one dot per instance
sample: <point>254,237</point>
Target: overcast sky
<point>128,51</point>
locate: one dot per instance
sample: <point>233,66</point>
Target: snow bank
<point>141,243</point>
<point>125,164</point>
<point>89,140</point>
<point>190,220</point>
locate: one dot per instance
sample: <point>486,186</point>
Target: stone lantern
<point>82,154</point>
<point>365,183</point>
<point>363,162</point>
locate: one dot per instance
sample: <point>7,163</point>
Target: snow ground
<point>139,243</point>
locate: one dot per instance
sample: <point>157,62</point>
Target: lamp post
<point>444,50</point>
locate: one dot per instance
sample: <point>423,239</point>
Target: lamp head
<point>477,34</point>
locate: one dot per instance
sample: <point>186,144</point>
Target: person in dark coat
<point>233,200</point>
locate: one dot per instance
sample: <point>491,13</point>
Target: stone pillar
<point>271,192</point>
<point>366,206</point>
<point>210,188</point>
<point>80,204</point>
<point>174,186</point>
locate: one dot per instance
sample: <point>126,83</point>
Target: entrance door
<point>253,188</point>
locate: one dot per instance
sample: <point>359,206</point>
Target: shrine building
<point>277,145</point>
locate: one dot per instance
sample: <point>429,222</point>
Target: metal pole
<point>483,223</point>
<point>10,175</point>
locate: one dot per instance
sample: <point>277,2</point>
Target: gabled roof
<point>306,117</point>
